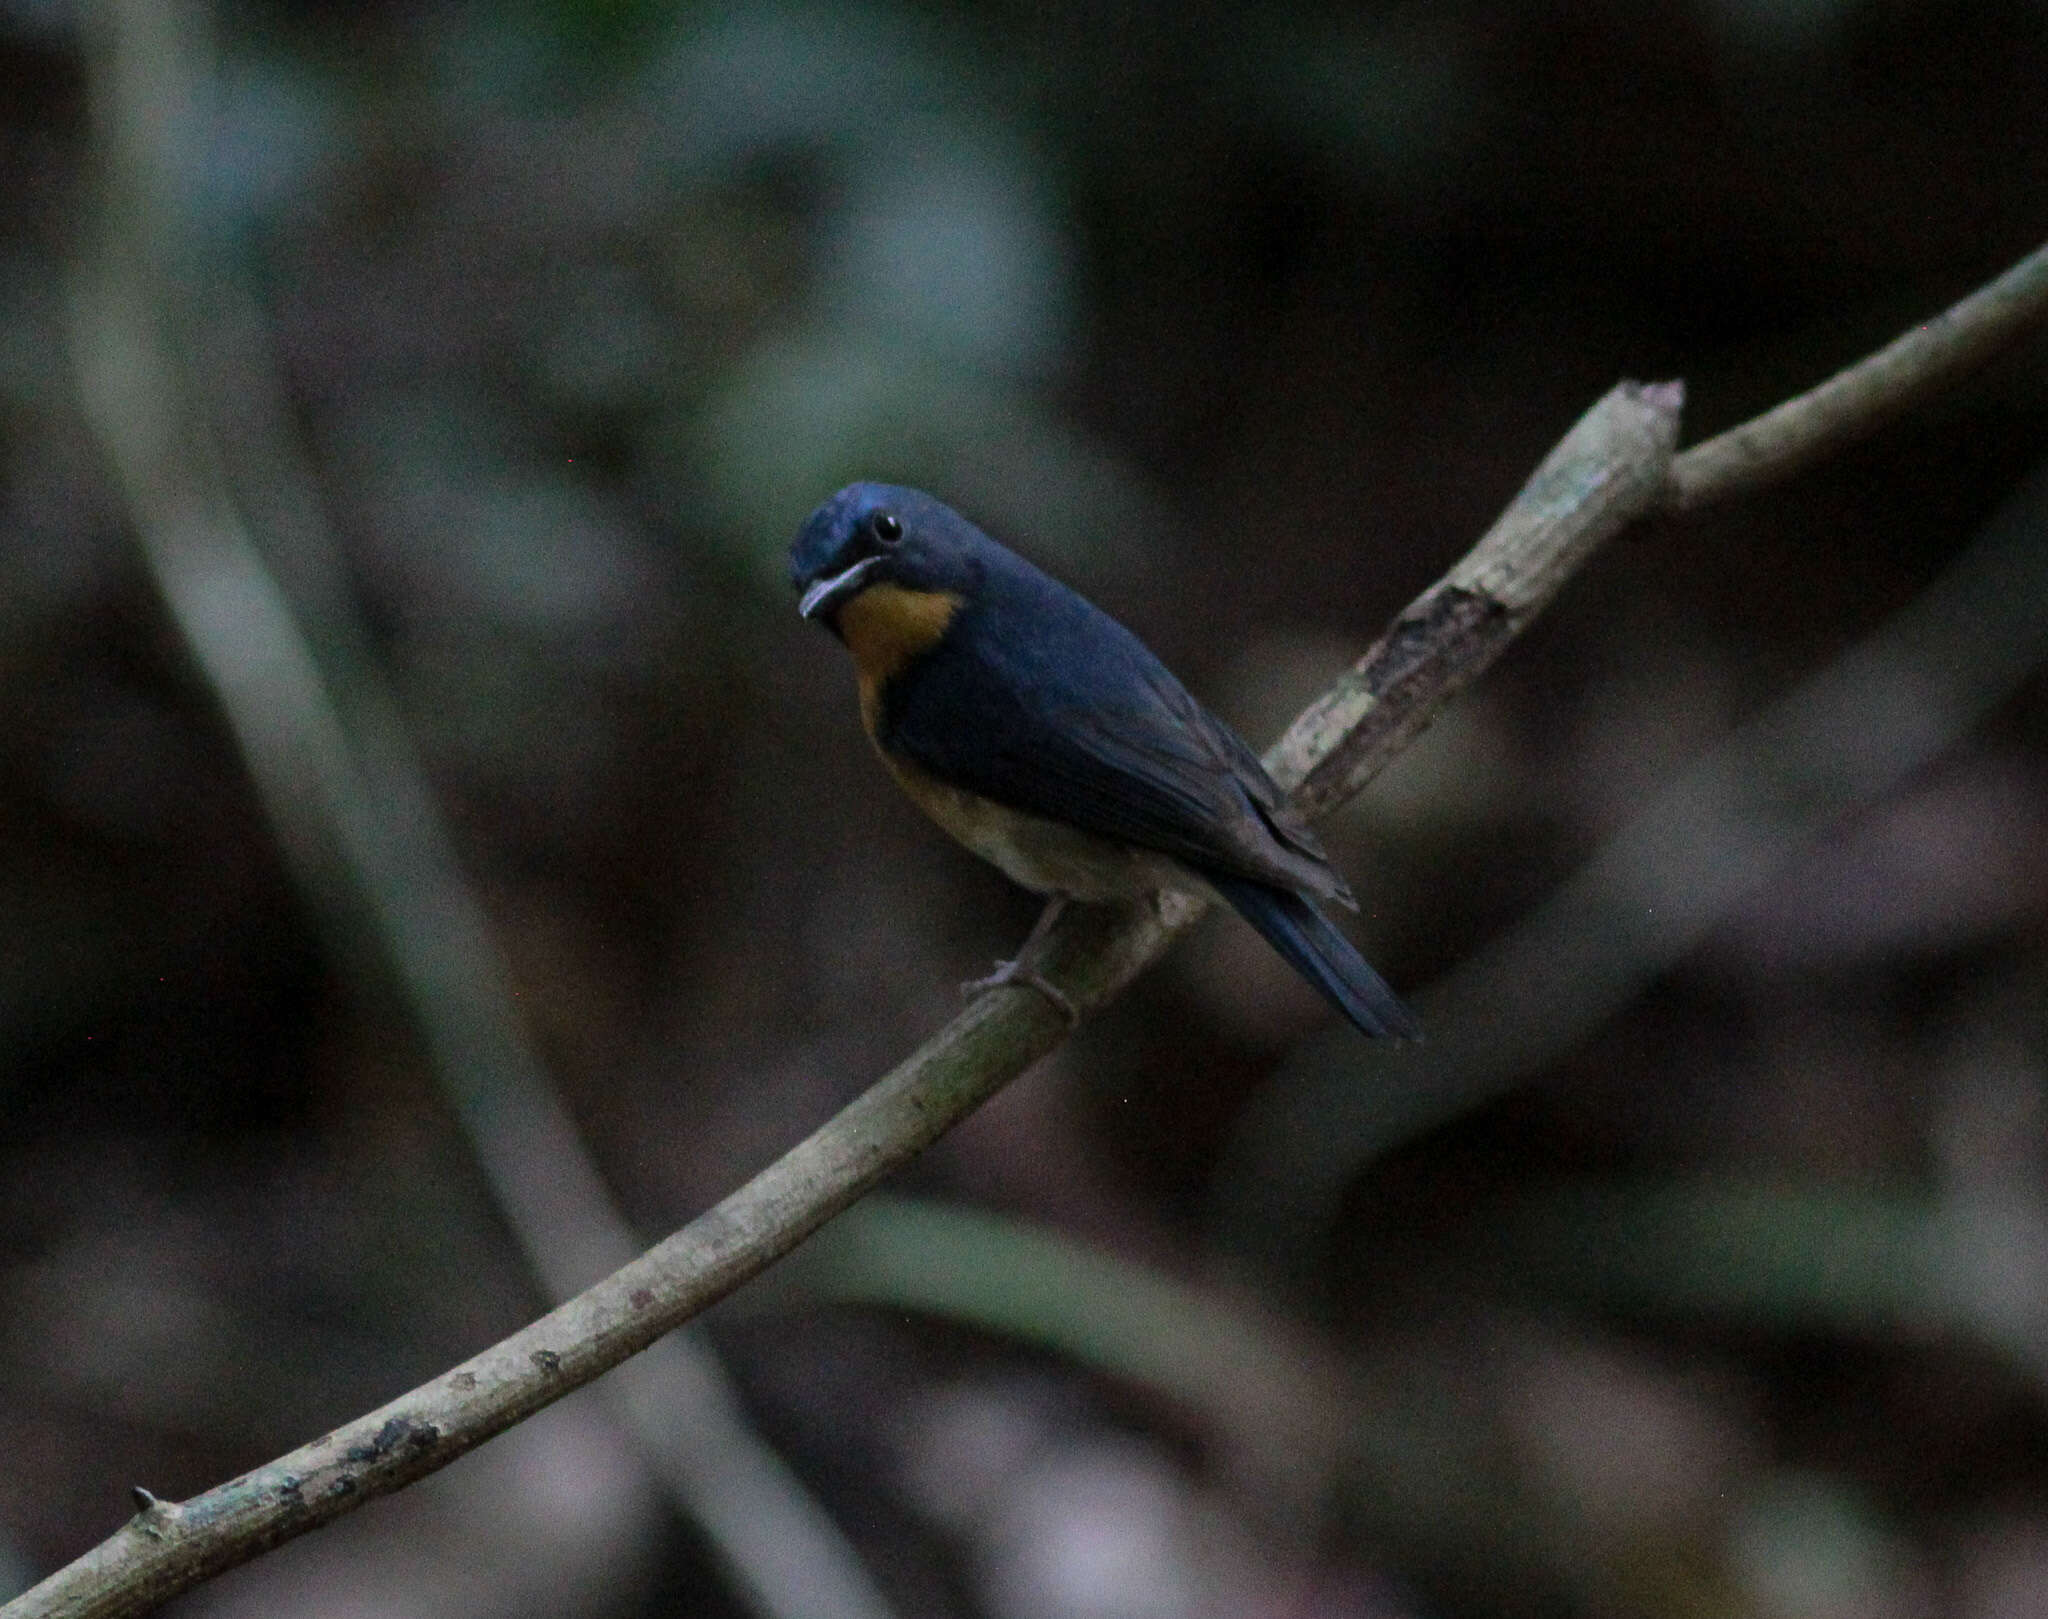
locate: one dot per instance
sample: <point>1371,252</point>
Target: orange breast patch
<point>886,626</point>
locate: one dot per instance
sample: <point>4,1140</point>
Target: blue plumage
<point>1049,739</point>
<point>1314,948</point>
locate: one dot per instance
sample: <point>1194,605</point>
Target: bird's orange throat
<point>886,628</point>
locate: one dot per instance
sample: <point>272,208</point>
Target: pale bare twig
<point>167,1547</point>
<point>1846,737</point>
<point>1612,468</point>
<point>1849,404</point>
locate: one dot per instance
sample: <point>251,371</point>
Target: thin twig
<point>1605,473</point>
<point>1093,955</point>
<point>1851,403</point>
<point>1613,468</point>
<point>1844,738</point>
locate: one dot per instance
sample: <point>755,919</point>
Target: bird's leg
<point>1014,971</point>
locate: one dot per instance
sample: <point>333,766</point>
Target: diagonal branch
<point>1614,467</point>
<point>1910,368</point>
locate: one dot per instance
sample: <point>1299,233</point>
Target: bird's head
<point>874,534</point>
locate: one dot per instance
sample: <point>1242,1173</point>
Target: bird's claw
<point>1014,972</point>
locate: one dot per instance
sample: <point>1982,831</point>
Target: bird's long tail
<point>1315,949</point>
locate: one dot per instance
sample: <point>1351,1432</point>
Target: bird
<point>1047,738</point>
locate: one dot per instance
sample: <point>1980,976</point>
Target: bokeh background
<point>404,408</point>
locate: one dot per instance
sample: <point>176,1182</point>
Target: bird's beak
<point>829,593</point>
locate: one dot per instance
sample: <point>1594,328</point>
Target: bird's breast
<point>1046,856</point>
<point>887,628</point>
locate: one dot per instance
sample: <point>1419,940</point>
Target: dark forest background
<point>1697,1266</point>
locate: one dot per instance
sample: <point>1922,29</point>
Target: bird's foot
<point>1015,972</point>
<point>1174,907</point>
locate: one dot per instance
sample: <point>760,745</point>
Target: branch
<point>1611,469</point>
<point>1853,402</point>
<point>1846,737</point>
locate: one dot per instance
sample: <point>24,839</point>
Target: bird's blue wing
<point>1072,718</point>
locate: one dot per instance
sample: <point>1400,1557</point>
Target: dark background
<point>1705,1274</point>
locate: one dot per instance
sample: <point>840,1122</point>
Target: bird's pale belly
<point>1044,855</point>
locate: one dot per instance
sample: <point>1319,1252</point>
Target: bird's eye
<point>885,527</point>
